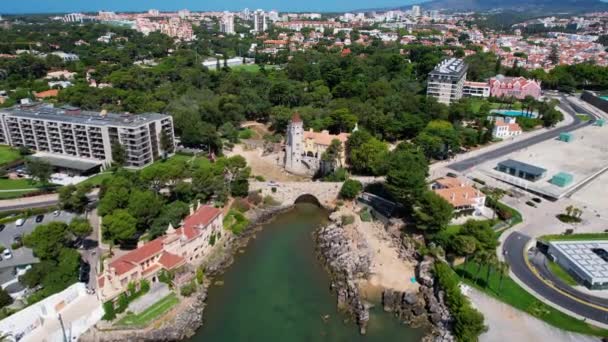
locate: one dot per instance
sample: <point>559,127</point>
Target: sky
<point>57,6</point>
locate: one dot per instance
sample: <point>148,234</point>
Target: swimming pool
<point>604,98</point>
<point>515,113</point>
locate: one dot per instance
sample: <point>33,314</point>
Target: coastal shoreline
<point>183,321</point>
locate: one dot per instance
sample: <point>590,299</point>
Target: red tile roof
<point>170,261</point>
<point>202,217</point>
<point>296,117</point>
<point>47,93</point>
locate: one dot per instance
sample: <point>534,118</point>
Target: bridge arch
<point>308,198</point>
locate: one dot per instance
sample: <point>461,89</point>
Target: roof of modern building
<point>460,196</point>
<point>587,256</point>
<point>527,168</point>
<point>67,162</point>
<point>450,67</point>
<point>68,114</point>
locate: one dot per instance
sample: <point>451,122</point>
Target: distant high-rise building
<point>416,11</point>
<point>273,16</point>
<point>183,13</point>
<point>227,23</point>
<point>260,23</point>
<point>446,81</point>
<point>246,14</point>
<point>434,14</point>
<point>73,18</point>
<point>153,12</point>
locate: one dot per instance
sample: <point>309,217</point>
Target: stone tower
<point>293,145</point>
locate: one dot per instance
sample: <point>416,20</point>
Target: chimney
<point>191,209</point>
<point>198,204</point>
<point>106,264</point>
<point>453,196</point>
<point>103,113</point>
<point>140,243</point>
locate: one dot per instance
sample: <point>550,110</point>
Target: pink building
<point>517,87</point>
<point>178,247</point>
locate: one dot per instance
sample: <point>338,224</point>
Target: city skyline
<point>65,6</point>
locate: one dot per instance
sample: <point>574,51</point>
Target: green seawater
<point>278,291</point>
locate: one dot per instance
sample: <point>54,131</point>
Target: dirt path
<point>267,166</point>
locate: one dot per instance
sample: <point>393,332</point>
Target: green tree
<point>5,298</point>
<point>114,198</point>
<point>554,55</point>
<point>39,170</point>
<point>144,206</point>
<point>73,198</point>
<point>432,212</point>
<point>350,189</point>
<point>370,158</point>
<point>119,155</point>
<point>407,172</point>
<point>47,240</point>
<point>80,227</point>
<point>118,226</point>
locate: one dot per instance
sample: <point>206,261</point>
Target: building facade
<point>187,244</point>
<point>446,81</point>
<point>304,149</point>
<point>260,21</point>
<point>517,87</point>
<point>505,128</point>
<point>476,89</point>
<point>586,261</point>
<point>227,23</point>
<point>87,136</point>
<point>463,197</point>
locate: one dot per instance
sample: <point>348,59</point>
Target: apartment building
<point>86,137</point>
<point>446,81</point>
<point>227,23</point>
<point>260,21</point>
<point>476,89</point>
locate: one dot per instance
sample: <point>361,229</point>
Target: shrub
<point>200,275</point>
<point>188,289</point>
<point>273,189</point>
<point>212,240</point>
<point>144,286</point>
<point>241,205</point>
<point>339,175</point>
<point>260,178</point>
<point>123,303</point>
<point>131,289</point>
<point>468,322</point>
<point>108,309</point>
<point>270,201</point>
<point>254,198</point>
<point>350,189</point>
<point>245,134</point>
<point>366,216</point>
<point>16,245</point>
<point>347,219</point>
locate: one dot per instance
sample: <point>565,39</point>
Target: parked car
<point>39,218</point>
<point>20,222</point>
<point>2,226</point>
<point>56,213</point>
<point>6,254</point>
<point>537,200</point>
<point>85,269</point>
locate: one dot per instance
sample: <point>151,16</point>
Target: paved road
<point>37,202</point>
<point>566,105</point>
<point>579,303</point>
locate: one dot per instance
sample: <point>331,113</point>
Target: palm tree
<point>503,268</point>
<point>479,257</point>
<point>569,210</point>
<point>491,262</point>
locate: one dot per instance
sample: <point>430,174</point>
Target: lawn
<point>246,67</point>
<point>583,117</point>
<point>575,237</point>
<point>512,294</point>
<point>151,313</point>
<point>97,179</point>
<point>561,273</point>
<point>8,154</point>
<point>18,185</point>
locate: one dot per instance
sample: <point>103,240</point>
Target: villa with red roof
<point>517,87</point>
<point>187,244</point>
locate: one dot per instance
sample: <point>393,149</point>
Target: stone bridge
<point>289,192</point>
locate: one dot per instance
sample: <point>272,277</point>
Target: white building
<point>505,128</point>
<point>227,23</point>
<point>476,89</point>
<point>73,18</point>
<point>416,11</point>
<point>260,21</point>
<point>153,12</point>
<point>82,140</point>
<point>446,81</point>
<point>586,260</point>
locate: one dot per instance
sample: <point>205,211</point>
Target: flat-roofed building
<point>446,81</point>
<point>74,134</point>
<point>586,261</point>
<point>522,170</point>
<point>476,89</point>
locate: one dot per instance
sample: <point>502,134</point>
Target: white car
<point>56,213</point>
<point>6,254</point>
<point>20,222</point>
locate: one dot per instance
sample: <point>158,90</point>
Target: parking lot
<point>7,235</point>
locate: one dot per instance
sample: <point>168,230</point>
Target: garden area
<point>8,155</point>
<point>235,222</point>
<point>154,311</point>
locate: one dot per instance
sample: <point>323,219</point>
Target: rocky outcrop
<point>425,307</point>
<point>345,264</point>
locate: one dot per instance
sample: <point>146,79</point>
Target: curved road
<point>565,105</point>
<point>547,287</point>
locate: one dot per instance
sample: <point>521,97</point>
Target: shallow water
<point>278,291</point>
